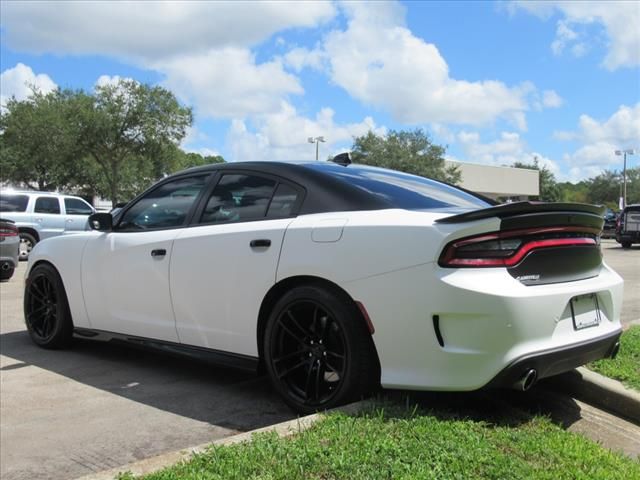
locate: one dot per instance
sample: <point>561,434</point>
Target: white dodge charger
<point>335,279</point>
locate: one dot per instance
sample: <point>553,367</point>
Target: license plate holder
<point>585,311</point>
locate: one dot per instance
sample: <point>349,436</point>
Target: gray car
<point>9,248</point>
<point>41,215</point>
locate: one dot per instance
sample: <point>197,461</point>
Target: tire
<point>46,309</point>
<point>626,244</point>
<point>6,274</point>
<point>27,242</point>
<point>318,352</point>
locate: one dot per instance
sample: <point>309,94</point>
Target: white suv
<point>40,215</point>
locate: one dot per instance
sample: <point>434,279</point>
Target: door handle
<point>261,242</point>
<point>159,252</point>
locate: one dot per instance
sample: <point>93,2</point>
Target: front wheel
<point>46,309</point>
<point>318,351</point>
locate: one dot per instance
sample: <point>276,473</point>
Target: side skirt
<point>207,355</point>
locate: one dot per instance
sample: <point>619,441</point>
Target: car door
<point>76,213</point>
<point>222,268</point>
<point>125,272</point>
<point>47,216</point>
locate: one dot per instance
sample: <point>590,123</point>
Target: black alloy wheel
<point>46,309</point>
<point>318,352</point>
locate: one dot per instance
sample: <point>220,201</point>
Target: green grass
<point>626,366</point>
<point>397,443</point>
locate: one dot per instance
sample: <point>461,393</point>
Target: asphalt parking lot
<point>64,414</point>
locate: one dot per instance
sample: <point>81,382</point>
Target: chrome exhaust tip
<point>526,381</point>
<point>615,350</point>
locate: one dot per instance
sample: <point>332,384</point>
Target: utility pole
<point>317,141</point>
<point>624,153</point>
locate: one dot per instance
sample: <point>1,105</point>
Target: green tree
<point>549,190</point>
<point>123,128</point>
<point>407,151</point>
<point>606,188</point>
<point>39,145</point>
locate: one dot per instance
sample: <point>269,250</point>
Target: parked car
<point>335,280</point>
<point>9,248</point>
<point>628,228</point>
<point>41,215</point>
<point>610,224</point>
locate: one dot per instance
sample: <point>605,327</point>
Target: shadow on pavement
<point>505,408</point>
<point>185,387</point>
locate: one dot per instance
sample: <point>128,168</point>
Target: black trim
<point>521,208</point>
<point>554,361</point>
<point>436,328</point>
<point>208,355</point>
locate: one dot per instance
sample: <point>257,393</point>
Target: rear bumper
<point>556,360</point>
<point>487,323</point>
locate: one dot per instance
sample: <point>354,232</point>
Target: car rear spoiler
<point>523,208</point>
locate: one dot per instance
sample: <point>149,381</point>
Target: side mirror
<point>102,222</point>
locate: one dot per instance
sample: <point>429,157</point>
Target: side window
<point>13,203</point>
<point>238,198</point>
<point>164,207</point>
<point>283,201</point>
<point>75,206</point>
<point>47,205</point>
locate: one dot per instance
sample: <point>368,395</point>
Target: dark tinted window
<point>13,203</point>
<point>47,205</point>
<point>75,206</point>
<point>164,207</point>
<point>283,201</point>
<point>402,190</point>
<point>238,198</point>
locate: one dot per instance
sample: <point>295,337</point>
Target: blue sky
<point>497,82</point>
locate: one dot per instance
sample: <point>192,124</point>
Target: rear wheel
<point>27,242</point>
<point>318,352</point>
<point>46,309</point>
<point>626,244</point>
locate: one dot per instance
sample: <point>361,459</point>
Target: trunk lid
<point>538,243</point>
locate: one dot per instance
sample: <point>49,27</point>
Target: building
<point>494,182</point>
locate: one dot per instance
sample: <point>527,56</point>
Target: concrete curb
<point>600,391</point>
<point>152,464</point>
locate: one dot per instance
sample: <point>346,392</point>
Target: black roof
<point>331,187</point>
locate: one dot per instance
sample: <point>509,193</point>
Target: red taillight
<point>8,231</point>
<point>506,249</point>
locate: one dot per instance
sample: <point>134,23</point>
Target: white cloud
<point>151,30</point>
<point>300,57</point>
<point>551,99</point>
<point>19,81</point>
<point>283,135</point>
<point>591,160</point>
<point>104,80</point>
<point>621,128</point>
<point>620,20</point>
<point>229,83</point>
<point>504,151</point>
<point>378,61</point>
<point>599,141</point>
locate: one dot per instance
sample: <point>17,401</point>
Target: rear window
<point>402,190</point>
<point>13,203</point>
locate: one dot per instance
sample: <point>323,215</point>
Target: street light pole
<point>624,153</point>
<point>317,141</point>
